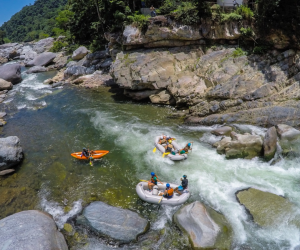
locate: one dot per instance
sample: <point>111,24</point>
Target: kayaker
<point>168,192</point>
<point>153,181</point>
<point>163,140</point>
<point>186,149</point>
<point>85,153</point>
<point>183,186</point>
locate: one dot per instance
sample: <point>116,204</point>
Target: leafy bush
<point>186,13</point>
<point>230,17</point>
<point>138,20</point>
<point>238,52</point>
<point>6,40</point>
<point>58,45</point>
<point>246,31</point>
<point>245,12</point>
<point>168,6</point>
<point>260,49</point>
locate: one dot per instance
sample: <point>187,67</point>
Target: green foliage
<point>187,13</point>
<point>138,20</point>
<point>230,17</point>
<point>33,20</point>
<point>6,40</point>
<point>245,12</point>
<point>168,6</point>
<point>238,52</point>
<point>58,45</point>
<point>246,31</point>
<point>260,49</point>
<point>2,36</point>
<point>42,35</point>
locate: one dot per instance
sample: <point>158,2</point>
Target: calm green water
<point>52,124</point>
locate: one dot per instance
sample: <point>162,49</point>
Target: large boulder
<point>162,97</point>
<point>43,45</point>
<point>197,223</point>
<point>270,143</point>
<point>30,230</point>
<point>11,73</point>
<point>226,130</point>
<point>289,138</point>
<point>240,146</point>
<point>5,85</point>
<point>80,53</point>
<point>42,59</point>
<point>268,209</point>
<point>120,224</point>
<point>36,69</point>
<point>11,152</point>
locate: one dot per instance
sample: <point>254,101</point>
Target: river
<point>53,123</point>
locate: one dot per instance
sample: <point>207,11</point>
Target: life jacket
<point>170,192</point>
<point>154,181</point>
<point>186,149</point>
<point>162,141</point>
<point>169,148</point>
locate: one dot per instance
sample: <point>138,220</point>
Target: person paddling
<point>169,147</point>
<point>85,153</point>
<point>183,186</point>
<point>153,181</point>
<point>168,192</point>
<point>186,149</point>
<point>163,140</point>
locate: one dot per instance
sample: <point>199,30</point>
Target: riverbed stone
<point>7,171</point>
<point>267,209</point>
<point>5,85</point>
<point>117,223</point>
<point>289,138</point>
<point>270,143</point>
<point>240,146</point>
<point>11,153</point>
<point>11,73</point>
<point>42,59</point>
<point>162,97</point>
<point>36,69</point>
<point>30,229</point>
<point>80,53</point>
<point>226,130</point>
<point>197,223</point>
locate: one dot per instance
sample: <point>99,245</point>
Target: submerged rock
<point>120,224</point>
<point>30,230</point>
<point>268,209</point>
<point>11,152</point>
<point>11,73</point>
<point>240,146</point>
<point>270,143</point>
<point>196,222</point>
<point>5,85</point>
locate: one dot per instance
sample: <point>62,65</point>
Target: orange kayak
<point>96,154</point>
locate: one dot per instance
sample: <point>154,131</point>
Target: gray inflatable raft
<point>161,148</point>
<point>153,197</point>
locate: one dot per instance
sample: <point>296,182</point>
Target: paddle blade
<point>160,199</point>
<point>143,181</point>
<point>164,154</point>
<point>154,150</point>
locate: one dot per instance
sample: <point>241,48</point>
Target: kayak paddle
<point>154,150</point>
<point>165,154</point>
<point>143,181</point>
<point>161,199</point>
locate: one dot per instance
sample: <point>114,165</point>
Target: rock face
<point>119,224</point>
<point>5,85</point>
<point>196,222</point>
<point>30,230</point>
<point>11,73</point>
<point>240,146</point>
<point>270,143</point>
<point>79,53</point>
<point>11,152</point>
<point>42,59</point>
<point>267,209</point>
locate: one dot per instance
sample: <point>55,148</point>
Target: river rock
<point>36,69</point>
<point>11,73</point>
<point>162,97</point>
<point>7,171</point>
<point>197,223</point>
<point>95,80</point>
<point>30,230</point>
<point>5,85</point>
<point>240,146</point>
<point>139,95</point>
<point>43,45</point>
<point>79,53</point>
<point>226,130</point>
<point>267,209</point>
<point>11,152</point>
<point>286,132</point>
<point>42,59</point>
<point>120,224</point>
<point>270,143</point>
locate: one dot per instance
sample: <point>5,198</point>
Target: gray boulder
<point>120,224</point>
<point>289,138</point>
<point>11,152</point>
<point>5,85</point>
<point>11,73</point>
<point>240,146</point>
<point>43,45</point>
<point>226,130</point>
<point>162,97</point>
<point>36,69</point>
<point>78,71</point>
<point>197,223</point>
<point>42,59</point>
<point>79,53</point>
<point>106,63</point>
<point>7,171</point>
<point>270,143</point>
<point>30,230</point>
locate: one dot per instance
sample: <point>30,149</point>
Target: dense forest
<point>84,22</point>
<point>34,21</point>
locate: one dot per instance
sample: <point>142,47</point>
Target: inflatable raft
<point>153,197</point>
<point>161,148</point>
<point>96,154</point>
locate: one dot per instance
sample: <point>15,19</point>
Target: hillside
<point>33,21</point>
